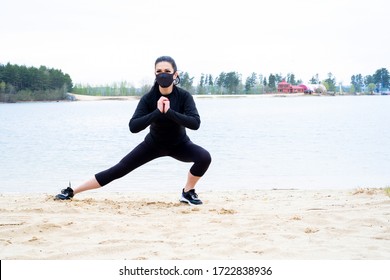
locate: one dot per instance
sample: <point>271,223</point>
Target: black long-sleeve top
<point>166,129</point>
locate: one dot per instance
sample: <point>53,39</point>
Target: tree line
<point>232,83</point>
<point>375,82</point>
<point>22,83</point>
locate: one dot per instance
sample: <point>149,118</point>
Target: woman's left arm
<point>190,118</point>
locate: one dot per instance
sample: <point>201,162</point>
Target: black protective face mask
<point>164,79</point>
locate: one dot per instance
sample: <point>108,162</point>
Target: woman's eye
<point>165,71</point>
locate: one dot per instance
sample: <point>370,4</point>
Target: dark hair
<point>166,59</point>
<point>169,59</point>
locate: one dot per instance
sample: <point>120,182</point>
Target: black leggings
<point>144,152</point>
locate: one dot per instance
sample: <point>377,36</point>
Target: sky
<point>99,42</point>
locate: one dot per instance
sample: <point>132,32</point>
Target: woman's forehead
<point>164,65</point>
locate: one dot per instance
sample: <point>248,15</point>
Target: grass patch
<point>387,191</point>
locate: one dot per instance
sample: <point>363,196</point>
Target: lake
<point>306,142</point>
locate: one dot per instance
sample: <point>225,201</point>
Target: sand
<point>235,225</point>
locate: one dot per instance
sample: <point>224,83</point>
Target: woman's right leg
<point>140,155</point>
<point>87,185</point>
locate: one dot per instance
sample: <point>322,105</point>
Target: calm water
<point>255,142</point>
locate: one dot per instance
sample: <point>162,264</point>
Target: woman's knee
<point>203,162</point>
<point>206,157</point>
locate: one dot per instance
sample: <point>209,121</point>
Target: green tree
<point>44,78</point>
<point>278,78</point>
<point>272,82</point>
<point>231,82</point>
<point>202,84</point>
<point>123,88</point>
<point>382,78</point>
<point>211,82</point>
<point>358,82</point>
<point>291,79</point>
<point>186,81</point>
<point>3,86</point>
<point>315,80</point>
<point>371,88</point>
<point>250,83</point>
<point>10,75</point>
<point>202,80</point>
<point>368,80</point>
<point>220,81</point>
<point>331,83</point>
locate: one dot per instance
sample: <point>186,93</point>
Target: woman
<point>168,110</point>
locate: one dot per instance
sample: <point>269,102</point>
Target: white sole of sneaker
<point>184,200</point>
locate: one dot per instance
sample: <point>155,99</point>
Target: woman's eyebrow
<point>165,70</point>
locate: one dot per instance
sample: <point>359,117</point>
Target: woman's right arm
<point>142,117</point>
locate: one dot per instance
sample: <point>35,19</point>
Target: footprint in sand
<point>311,230</point>
<point>224,211</point>
<point>33,239</point>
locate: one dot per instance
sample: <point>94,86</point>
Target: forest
<point>22,83</point>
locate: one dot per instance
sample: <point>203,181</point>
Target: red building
<point>285,87</point>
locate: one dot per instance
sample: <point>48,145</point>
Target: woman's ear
<point>176,78</point>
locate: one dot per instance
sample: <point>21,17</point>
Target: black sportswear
<point>167,135</point>
<point>169,128</point>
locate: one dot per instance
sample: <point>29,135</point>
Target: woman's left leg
<point>190,152</point>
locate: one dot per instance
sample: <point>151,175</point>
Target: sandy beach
<point>236,225</point>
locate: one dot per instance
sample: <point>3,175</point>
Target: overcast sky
<point>100,42</point>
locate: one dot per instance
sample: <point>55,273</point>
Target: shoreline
<point>232,225</point>
<point>79,97</point>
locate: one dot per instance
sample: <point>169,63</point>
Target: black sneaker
<point>65,194</point>
<point>190,197</point>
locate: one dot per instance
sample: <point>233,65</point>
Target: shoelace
<point>67,190</point>
<point>193,194</point>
